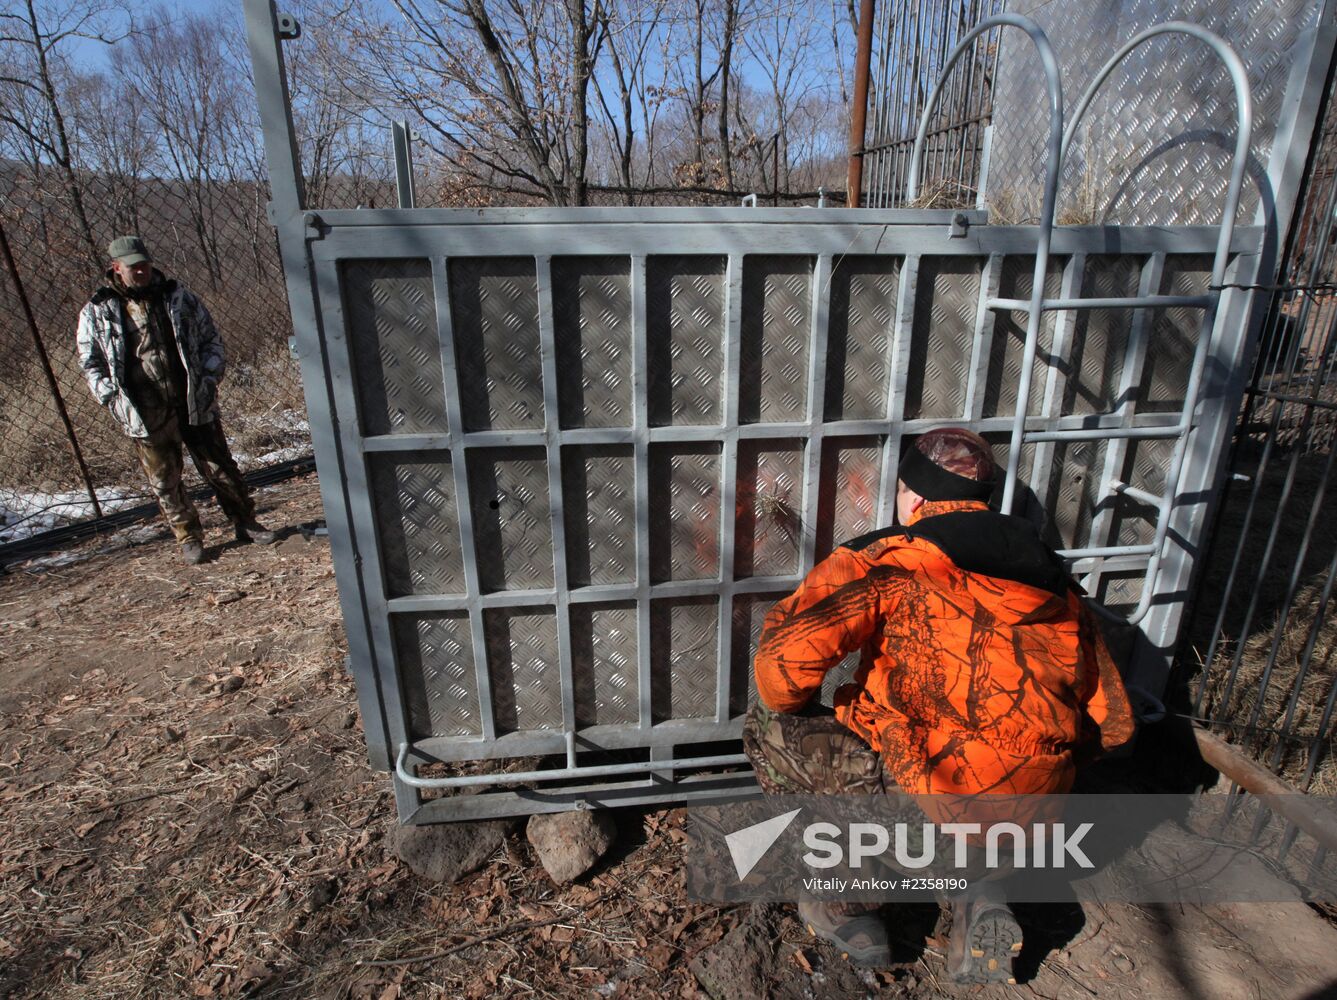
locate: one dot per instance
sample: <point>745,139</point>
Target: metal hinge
<point>289,29</point>
<point>958,226</point>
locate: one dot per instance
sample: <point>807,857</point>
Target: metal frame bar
<point>316,244</point>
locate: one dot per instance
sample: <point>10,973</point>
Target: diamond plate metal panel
<point>684,304</point>
<point>1175,334</point>
<point>684,512</point>
<point>862,311</point>
<point>1155,145</point>
<point>591,302</point>
<point>600,509</point>
<point>1144,466</point>
<point>413,494</point>
<point>850,479</point>
<point>776,329</point>
<point>1074,483</point>
<point>1100,336</point>
<point>391,322</point>
<point>768,524</point>
<point>684,636</point>
<point>946,300</point>
<point>1119,592</point>
<point>494,312</point>
<point>749,614</point>
<point>603,664</point>
<point>522,665</point>
<point>508,496</point>
<point>434,654</point>
<point>1009,339</point>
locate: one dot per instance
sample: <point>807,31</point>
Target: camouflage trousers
<point>812,753</point>
<point>162,456</point>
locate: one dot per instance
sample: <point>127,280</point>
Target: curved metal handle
<point>1054,86</point>
<point>1239,78</point>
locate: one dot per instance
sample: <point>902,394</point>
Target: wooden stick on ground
<point>1283,799</point>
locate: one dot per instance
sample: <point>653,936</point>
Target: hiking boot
<point>254,531</point>
<point>192,550</point>
<point>985,938</point>
<point>858,934</point>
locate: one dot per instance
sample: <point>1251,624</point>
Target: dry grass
<point>1264,587</point>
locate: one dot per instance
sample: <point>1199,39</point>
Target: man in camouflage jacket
<point>153,357</point>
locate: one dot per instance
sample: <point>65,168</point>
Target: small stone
<point>568,844</point>
<point>250,784</point>
<point>350,720</point>
<point>1121,963</point>
<point>322,894</point>
<point>230,683</point>
<point>446,852</point>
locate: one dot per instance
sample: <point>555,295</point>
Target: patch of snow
<point>24,513</point>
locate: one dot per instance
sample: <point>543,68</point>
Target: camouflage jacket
<point>102,353</point>
<point>982,671</point>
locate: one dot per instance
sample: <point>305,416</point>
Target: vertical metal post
<point>51,382</point>
<point>403,139</point>
<point>859,111</point>
<point>286,213</point>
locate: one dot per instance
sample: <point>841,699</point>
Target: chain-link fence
<point>211,236</point>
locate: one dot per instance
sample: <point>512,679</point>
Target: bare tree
<point>633,27</point>
<point>34,44</point>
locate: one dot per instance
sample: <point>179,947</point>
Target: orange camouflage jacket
<point>981,669</point>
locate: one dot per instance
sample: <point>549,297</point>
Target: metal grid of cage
<point>542,431</point>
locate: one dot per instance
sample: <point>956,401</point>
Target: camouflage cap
<point>128,250</point>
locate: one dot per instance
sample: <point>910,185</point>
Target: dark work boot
<point>192,551</point>
<point>985,937</point>
<point>856,931</point>
<point>254,531</point>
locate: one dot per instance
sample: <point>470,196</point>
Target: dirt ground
<point>187,812</point>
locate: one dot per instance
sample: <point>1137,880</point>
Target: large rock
<point>739,966</point>
<point>446,852</point>
<point>569,843</point>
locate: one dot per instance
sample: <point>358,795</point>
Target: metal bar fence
<point>913,43</point>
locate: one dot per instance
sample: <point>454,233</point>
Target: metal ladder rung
<point>1105,434</point>
<point>1107,551</point>
<point>1140,495</point>
<point>1118,302</point>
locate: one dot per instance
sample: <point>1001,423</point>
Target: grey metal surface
<point>435,653</point>
<point>863,308</point>
<point>592,326</point>
<point>413,494</point>
<point>944,329</point>
<point>1156,146</point>
<point>685,336</point>
<point>603,649</point>
<point>494,308</point>
<point>776,321</point>
<point>392,330</point>
<point>641,407</point>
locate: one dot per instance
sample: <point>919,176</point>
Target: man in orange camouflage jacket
<point>981,672</point>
